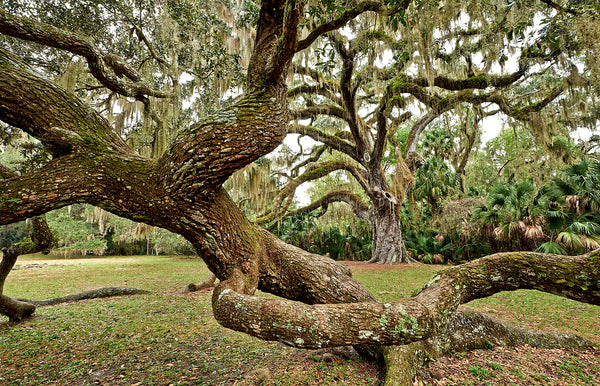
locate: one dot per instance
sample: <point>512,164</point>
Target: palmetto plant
<point>576,223</point>
<point>580,186</point>
<point>511,217</point>
<point>565,213</point>
<point>434,181</point>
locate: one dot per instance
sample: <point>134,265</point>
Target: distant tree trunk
<point>384,215</point>
<point>388,246</point>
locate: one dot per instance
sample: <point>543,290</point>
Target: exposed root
<point>209,282</point>
<point>18,309</point>
<point>105,292</point>
<point>469,330</point>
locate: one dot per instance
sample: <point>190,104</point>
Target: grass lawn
<point>167,337</point>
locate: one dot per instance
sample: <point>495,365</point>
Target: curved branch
<point>332,141</point>
<point>48,113</point>
<point>415,131</point>
<point>560,8</point>
<point>468,330</point>
<point>475,82</point>
<point>359,207</point>
<point>316,153</point>
<point>105,292</point>
<point>361,136</point>
<point>50,36</point>
<point>317,76</point>
<point>346,16</point>
<point>315,89</point>
<point>320,325</point>
<point>43,190</point>
<point>316,110</point>
<point>315,171</point>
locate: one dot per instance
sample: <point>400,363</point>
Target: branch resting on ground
<point>373,323</point>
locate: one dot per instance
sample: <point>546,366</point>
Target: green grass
<point>167,337</point>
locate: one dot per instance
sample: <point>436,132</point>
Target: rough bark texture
<point>40,240</point>
<point>388,246</point>
<point>322,304</point>
<point>105,292</point>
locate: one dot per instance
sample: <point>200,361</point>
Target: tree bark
<point>105,292</point>
<point>388,246</point>
<point>40,240</point>
<point>209,282</point>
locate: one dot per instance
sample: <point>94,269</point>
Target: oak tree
<point>354,88</point>
<point>319,304</point>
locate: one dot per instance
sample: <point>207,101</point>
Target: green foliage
<point>82,229</point>
<point>434,181</point>
<point>13,233</point>
<point>479,372</point>
<point>561,217</point>
<point>347,243</point>
<point>515,154</point>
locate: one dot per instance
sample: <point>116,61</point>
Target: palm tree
<point>434,180</point>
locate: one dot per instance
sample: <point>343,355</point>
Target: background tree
<point>353,90</point>
<point>320,304</point>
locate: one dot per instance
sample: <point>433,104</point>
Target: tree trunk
<point>388,246</point>
<point>384,216</point>
<point>40,240</point>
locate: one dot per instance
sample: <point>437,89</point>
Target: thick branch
<point>346,16</point>
<point>314,111</point>
<point>48,113</point>
<point>315,326</point>
<point>332,141</point>
<point>320,89</point>
<point>286,47</point>
<point>105,292</point>
<point>48,35</point>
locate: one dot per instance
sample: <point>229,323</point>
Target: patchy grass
<point>171,338</point>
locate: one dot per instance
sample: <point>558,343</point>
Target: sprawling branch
<point>76,178</point>
<point>475,82</point>
<point>58,119</point>
<point>559,7</point>
<point>327,325</point>
<point>315,90</point>
<point>316,153</point>
<point>98,63</point>
<point>441,105</point>
<point>316,110</point>
<point>317,77</point>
